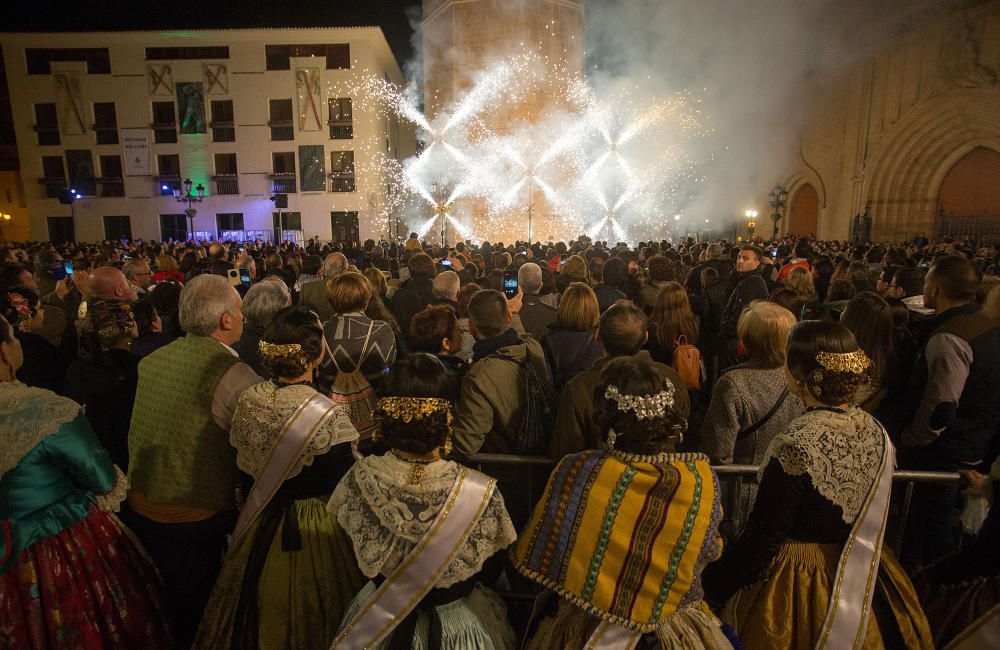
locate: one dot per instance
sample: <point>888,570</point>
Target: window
<point>182,53</point>
<point>97,59</point>
<point>111,182</point>
<point>226,179</point>
<point>80,167</point>
<point>338,56</point>
<point>164,122</point>
<point>169,177</point>
<point>46,124</point>
<point>61,229</point>
<point>342,171</point>
<point>173,226</point>
<point>53,176</point>
<point>341,120</point>
<point>283,172</point>
<point>344,226</point>
<point>289,220</point>
<point>228,222</point>
<point>105,123</point>
<point>117,228</point>
<point>223,124</point>
<point>281,119</point>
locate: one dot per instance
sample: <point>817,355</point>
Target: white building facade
<point>111,125</point>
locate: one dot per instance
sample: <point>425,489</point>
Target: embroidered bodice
<point>385,514</point>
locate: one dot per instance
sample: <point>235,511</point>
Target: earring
<point>612,436</point>
<point>447,444</point>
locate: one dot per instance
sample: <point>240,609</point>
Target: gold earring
<point>447,444</point>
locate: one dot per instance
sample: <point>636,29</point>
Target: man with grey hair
<point>182,469</point>
<point>313,294</point>
<point>535,314</point>
<point>445,288</point>
<point>260,304</point>
<point>138,274</point>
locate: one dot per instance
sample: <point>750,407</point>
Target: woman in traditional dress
<point>621,535</point>
<point>806,571</point>
<point>71,576</point>
<point>290,572</point>
<point>427,532</point>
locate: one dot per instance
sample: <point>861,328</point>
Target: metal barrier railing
<point>728,474</point>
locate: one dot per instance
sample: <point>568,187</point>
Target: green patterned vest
<point>177,454</point>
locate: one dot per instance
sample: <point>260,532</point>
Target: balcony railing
<point>53,184</point>
<point>342,183</point>
<point>281,130</point>
<point>106,133</point>
<point>223,131</point>
<point>226,184</point>
<point>164,132</point>
<point>170,181</point>
<point>341,129</point>
<point>110,186</point>
<point>282,183</point>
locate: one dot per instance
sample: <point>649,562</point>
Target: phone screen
<point>509,285</point>
<point>245,276</point>
<point>445,263</point>
<point>68,267</point>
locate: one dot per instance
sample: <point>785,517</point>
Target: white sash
<point>420,570</point>
<point>850,602</point>
<point>295,435</point>
<point>609,636</point>
<point>984,632</point>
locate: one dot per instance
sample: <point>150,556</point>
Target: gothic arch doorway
<point>969,197</point>
<point>803,213</point>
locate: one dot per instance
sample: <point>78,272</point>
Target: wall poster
<point>191,107</point>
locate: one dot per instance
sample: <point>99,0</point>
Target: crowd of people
<point>254,446</point>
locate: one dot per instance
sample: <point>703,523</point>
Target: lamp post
<point>190,200</point>
<point>751,216</point>
<point>779,199</point>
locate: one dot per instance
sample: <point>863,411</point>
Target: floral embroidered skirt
<point>88,586</point>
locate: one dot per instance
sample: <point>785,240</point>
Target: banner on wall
<point>135,152</point>
<point>191,107</point>
<point>312,168</point>
<point>310,112</point>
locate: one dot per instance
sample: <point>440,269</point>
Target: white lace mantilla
<point>260,416</point>
<point>27,416</point>
<point>840,452</point>
<point>385,516</point>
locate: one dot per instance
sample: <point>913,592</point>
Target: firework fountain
<point>608,165</point>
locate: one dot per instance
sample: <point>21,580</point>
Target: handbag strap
<point>759,423</point>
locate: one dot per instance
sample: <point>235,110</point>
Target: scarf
<point>486,347</point>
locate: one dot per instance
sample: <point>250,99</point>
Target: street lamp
<point>439,193</point>
<point>751,216</point>
<point>779,199</point>
<point>190,199</point>
<point>4,220</point>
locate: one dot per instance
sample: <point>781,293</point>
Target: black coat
<point>411,299</point>
<point>106,387</point>
<point>568,352</point>
<point>44,365</point>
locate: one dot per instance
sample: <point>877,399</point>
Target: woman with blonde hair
<point>167,269</point>
<point>750,402</point>
<point>672,323</point>
<point>800,280</point>
<point>570,343</point>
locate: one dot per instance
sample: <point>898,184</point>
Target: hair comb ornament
<point>410,409</point>
<point>856,362</point>
<point>281,350</point>
<point>645,407</point>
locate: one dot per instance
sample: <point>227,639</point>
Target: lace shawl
<point>261,414</point>
<point>28,416</point>
<point>386,516</point>
<point>840,452</point>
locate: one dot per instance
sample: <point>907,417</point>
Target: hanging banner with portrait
<point>191,107</point>
<point>69,100</point>
<point>312,168</point>
<point>307,85</point>
<point>135,152</point>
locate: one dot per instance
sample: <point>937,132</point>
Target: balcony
<point>340,182</point>
<point>223,131</point>
<point>226,184</point>
<point>341,129</point>
<point>52,184</point>
<point>110,186</point>
<point>164,132</point>
<point>166,184</point>
<point>282,183</point>
<point>106,133</point>
<point>281,130</point>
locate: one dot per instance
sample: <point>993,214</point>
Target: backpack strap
<point>759,423</point>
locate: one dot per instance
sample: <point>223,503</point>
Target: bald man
<point>220,265</point>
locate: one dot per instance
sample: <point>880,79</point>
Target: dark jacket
<point>568,352</point>
<point>312,295</point>
<point>750,286</point>
<point>536,316</point>
<point>149,342</point>
<point>106,387</point>
<point>248,347</point>
<point>411,299</point>
<point>607,295</point>
<point>44,365</point>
